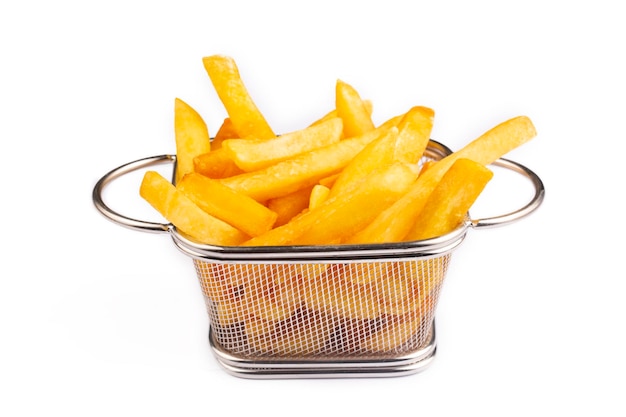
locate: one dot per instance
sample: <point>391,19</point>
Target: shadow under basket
<point>321,311</point>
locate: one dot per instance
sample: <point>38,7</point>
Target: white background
<point>100,320</point>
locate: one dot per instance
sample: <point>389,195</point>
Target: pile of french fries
<point>340,180</point>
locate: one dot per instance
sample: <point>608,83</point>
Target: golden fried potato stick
<point>216,164</point>
<point>319,194</point>
<point>242,111</point>
<point>341,216</point>
<point>236,209</point>
<point>352,109</point>
<point>226,131</point>
<point>451,199</point>
<point>290,205</point>
<point>394,223</point>
<point>253,154</point>
<point>192,137</point>
<point>183,213</point>
<point>413,134</point>
<point>299,172</point>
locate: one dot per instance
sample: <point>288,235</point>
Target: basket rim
<point>394,251</point>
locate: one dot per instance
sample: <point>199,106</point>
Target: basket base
<point>407,364</point>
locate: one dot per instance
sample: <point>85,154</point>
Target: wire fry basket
<point>322,311</point>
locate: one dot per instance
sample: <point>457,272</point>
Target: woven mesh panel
<point>323,310</point>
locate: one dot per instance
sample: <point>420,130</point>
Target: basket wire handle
<point>135,224</point>
<point>513,216</point>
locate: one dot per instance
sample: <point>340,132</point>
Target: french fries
<point>226,131</point>
<point>338,217</point>
<point>245,116</point>
<point>340,180</point>
<point>451,199</point>
<point>254,154</point>
<point>394,223</point>
<point>176,207</point>
<point>376,154</point>
<point>234,208</point>
<point>319,194</point>
<point>413,134</point>
<point>216,164</point>
<point>192,137</point>
<point>290,205</point>
<point>352,109</point>
<point>299,172</point>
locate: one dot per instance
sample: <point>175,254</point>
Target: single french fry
<point>226,131</point>
<point>191,136</point>
<point>414,133</point>
<point>343,215</point>
<point>253,154</point>
<point>183,213</point>
<point>451,199</point>
<point>247,119</point>
<point>497,141</point>
<point>290,205</point>
<point>394,223</point>
<point>301,171</point>
<point>216,164</point>
<point>375,154</point>
<point>352,109</point>
<point>319,194</point>
<point>236,209</point>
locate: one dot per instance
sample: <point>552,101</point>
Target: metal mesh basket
<point>321,311</point>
